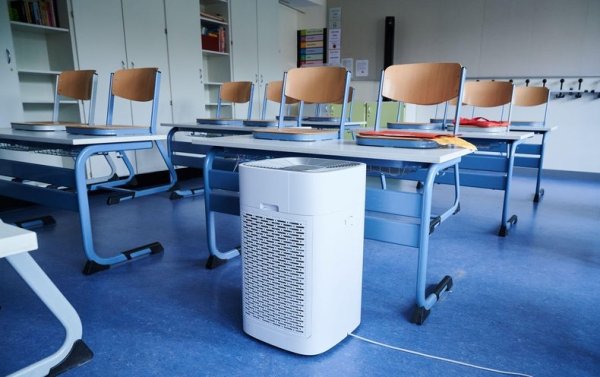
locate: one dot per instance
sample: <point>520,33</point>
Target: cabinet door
<point>243,25</point>
<point>10,97</point>
<point>100,41</point>
<point>269,56</point>
<point>146,43</point>
<point>185,59</point>
<point>101,46</point>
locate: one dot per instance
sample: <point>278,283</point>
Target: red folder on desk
<point>482,122</point>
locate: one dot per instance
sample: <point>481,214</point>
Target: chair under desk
<point>221,189</point>
<point>67,188</point>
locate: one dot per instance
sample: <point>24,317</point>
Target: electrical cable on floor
<point>439,358</point>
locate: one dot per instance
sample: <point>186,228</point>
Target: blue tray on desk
<point>260,123</point>
<point>220,122</point>
<point>527,123</point>
<point>39,126</point>
<point>110,130</point>
<point>296,134</point>
<point>414,126</point>
<point>398,139</point>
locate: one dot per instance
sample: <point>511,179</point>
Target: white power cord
<point>439,358</point>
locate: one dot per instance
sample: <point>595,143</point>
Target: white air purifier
<point>302,251</point>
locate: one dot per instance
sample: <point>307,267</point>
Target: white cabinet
<point>41,48</point>
<point>216,57</point>
<point>10,99</point>
<point>185,59</point>
<point>255,48</point>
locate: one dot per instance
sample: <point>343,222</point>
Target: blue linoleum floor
<point>525,303</point>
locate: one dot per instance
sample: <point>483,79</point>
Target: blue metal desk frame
<point>81,148</point>
<point>491,167</point>
<point>221,194</point>
<point>531,155</point>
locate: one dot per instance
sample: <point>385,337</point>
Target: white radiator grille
<point>274,271</point>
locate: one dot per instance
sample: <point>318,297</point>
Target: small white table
<point>15,243</point>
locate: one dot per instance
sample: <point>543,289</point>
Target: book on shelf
<point>214,38</point>
<point>38,12</point>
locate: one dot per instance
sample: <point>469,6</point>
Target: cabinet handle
<point>122,64</point>
<point>256,78</point>
<point>8,57</point>
<point>132,65</point>
<point>261,78</point>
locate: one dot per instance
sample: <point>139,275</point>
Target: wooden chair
<point>273,91</point>
<point>487,94</point>
<point>531,155</point>
<point>79,85</point>
<point>529,96</point>
<point>317,85</point>
<point>421,84</point>
<point>135,84</point>
<point>236,92</point>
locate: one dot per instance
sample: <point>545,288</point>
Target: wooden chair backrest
<point>76,84</point>
<point>488,93</point>
<point>316,84</point>
<point>136,84</point>
<point>236,91</point>
<point>531,95</point>
<point>422,83</point>
<point>274,93</point>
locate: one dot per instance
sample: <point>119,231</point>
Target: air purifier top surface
<point>302,164</point>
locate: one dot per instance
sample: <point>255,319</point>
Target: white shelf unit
<point>216,65</point>
<point>41,52</point>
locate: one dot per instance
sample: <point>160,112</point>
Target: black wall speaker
<point>388,44</point>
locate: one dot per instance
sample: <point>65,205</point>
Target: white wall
<point>494,38</point>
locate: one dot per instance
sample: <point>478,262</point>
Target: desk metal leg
<point>96,262</point>
<point>507,223</point>
<point>539,191</point>
<point>73,352</point>
<point>426,301</point>
<point>216,257</point>
<point>179,194</point>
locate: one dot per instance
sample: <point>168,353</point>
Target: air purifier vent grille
<point>274,271</point>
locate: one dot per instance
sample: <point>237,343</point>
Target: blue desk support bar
<point>532,156</point>
<point>221,190</point>
<point>194,156</point>
<point>78,200</point>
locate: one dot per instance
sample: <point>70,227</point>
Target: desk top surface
<point>336,148</point>
<point>503,136</point>
<point>14,240</point>
<point>248,129</point>
<point>64,138</point>
<point>533,128</point>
